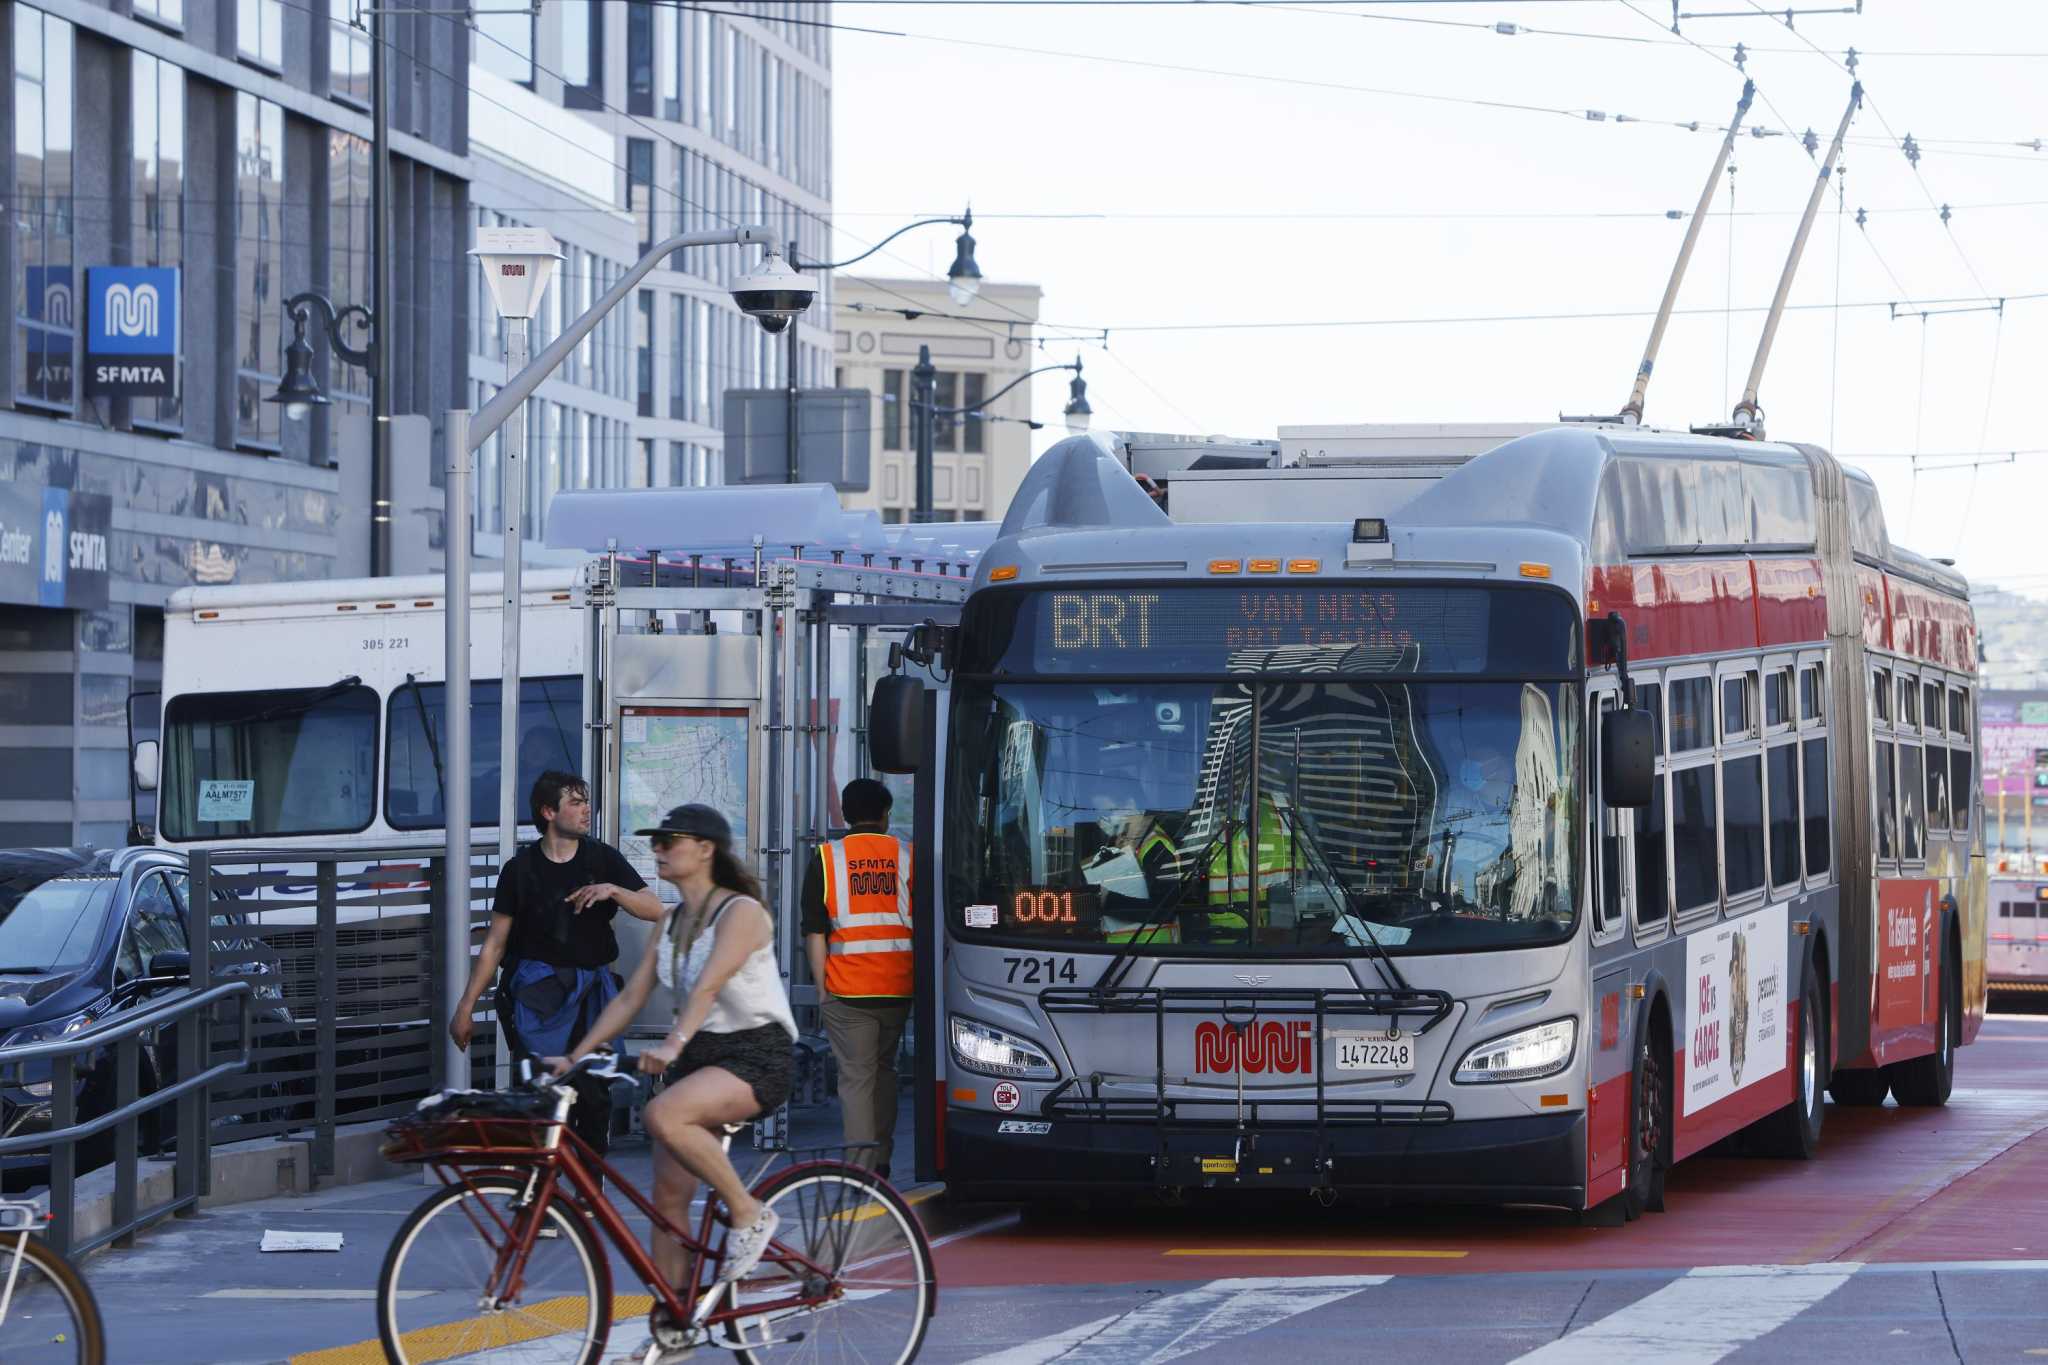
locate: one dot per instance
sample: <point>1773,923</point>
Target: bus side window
<point>1610,842</point>
<point>1961,786</point>
<point>1886,809</point>
<point>1815,806</point>
<point>1653,893</point>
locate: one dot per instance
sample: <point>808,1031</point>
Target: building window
<point>259,268</point>
<point>640,187</point>
<point>43,284</point>
<point>170,13</point>
<point>668,60</point>
<point>892,409</point>
<point>348,56</point>
<point>158,101</point>
<point>259,31</point>
<point>348,255</point>
<point>504,43</point>
<point>972,387</point>
<point>640,57</point>
<point>582,55</point>
<point>643,339</point>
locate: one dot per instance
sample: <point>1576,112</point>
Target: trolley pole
<point>1748,414</point>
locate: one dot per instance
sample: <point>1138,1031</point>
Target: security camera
<point>773,295</point>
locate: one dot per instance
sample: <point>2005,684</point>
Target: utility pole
<point>924,384</point>
<point>381,305</point>
<point>794,398</point>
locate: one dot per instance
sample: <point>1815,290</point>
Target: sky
<point>1200,167</point>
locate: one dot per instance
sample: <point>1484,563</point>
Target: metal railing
<point>342,949</point>
<point>191,1013</point>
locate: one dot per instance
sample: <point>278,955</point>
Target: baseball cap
<point>697,821</point>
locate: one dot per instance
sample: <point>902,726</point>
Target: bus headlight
<point>1543,1050</point>
<point>979,1047</point>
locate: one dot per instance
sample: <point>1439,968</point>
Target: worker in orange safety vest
<point>856,926</point>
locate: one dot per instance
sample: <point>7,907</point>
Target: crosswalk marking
<point>1181,1324</point>
<point>1700,1317</point>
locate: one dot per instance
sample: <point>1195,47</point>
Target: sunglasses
<point>662,842</point>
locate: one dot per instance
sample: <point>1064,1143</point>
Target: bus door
<point>1610,1022</point>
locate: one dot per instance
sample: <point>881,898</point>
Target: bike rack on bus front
<point>1180,1165</point>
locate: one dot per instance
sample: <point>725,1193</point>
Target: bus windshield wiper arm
<point>1390,972</point>
<point>1198,870</point>
<point>419,702</point>
<point>307,703</point>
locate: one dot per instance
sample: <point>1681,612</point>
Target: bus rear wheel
<point>1794,1131</point>
<point>1860,1089</point>
<point>1927,1081</point>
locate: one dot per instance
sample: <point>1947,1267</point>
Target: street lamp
<point>925,412</point>
<point>299,392</point>
<point>963,285</point>
<point>1078,413</point>
<point>770,294</point>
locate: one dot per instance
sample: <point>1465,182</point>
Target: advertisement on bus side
<point>1735,1024</point>
<point>1905,951</point>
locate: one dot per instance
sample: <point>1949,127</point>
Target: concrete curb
<point>242,1173</point>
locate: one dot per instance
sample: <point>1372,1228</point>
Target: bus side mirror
<point>896,724</point>
<point>1628,756</point>
<point>145,766</point>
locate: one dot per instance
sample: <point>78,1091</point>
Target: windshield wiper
<point>1316,860</point>
<point>412,684</point>
<point>307,703</point>
<point>1197,871</point>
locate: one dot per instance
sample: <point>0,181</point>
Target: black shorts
<point>759,1056</point>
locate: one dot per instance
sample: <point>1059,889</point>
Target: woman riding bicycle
<point>727,1058</point>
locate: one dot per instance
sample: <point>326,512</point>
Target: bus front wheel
<point>1649,1128</point>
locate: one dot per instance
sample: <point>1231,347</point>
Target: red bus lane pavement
<point>1968,1182</point>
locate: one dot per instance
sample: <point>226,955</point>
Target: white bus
<point>311,714</point>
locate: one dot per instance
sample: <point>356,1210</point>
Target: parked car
<point>85,936</point>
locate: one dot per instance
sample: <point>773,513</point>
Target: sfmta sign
<point>131,341</point>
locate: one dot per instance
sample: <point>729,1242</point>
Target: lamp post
<point>772,295</point>
<point>518,264</point>
<point>925,412</point>
<point>963,285</point>
<point>299,391</point>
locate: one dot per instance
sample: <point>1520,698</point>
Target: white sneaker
<point>650,1352</point>
<point>744,1246</point>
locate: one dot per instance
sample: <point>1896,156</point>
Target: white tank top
<point>751,997</point>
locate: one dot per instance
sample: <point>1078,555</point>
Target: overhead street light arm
<point>520,387</point>
<point>1073,365</point>
<point>965,222</point>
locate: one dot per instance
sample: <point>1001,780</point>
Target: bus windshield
<point>1264,816</point>
<point>289,761</point>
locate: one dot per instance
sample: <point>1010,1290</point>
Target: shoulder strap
<point>712,920</point>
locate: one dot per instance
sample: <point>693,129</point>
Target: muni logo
<point>1280,1048</point>
<point>132,312</point>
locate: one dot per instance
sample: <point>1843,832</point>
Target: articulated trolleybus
<point>1563,809</point>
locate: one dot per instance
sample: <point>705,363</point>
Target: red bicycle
<point>504,1263</point>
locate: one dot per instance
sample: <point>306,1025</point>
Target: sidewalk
<point>198,1289</point>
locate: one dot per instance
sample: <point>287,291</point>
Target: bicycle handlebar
<point>602,1064</point>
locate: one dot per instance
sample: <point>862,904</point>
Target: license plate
<point>1375,1054</point>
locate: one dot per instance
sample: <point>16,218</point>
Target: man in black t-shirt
<point>551,926</point>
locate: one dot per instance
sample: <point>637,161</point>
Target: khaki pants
<point>864,1040</point>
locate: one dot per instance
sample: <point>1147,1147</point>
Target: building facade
<point>977,461</point>
<point>689,121</point>
<point>228,140</point>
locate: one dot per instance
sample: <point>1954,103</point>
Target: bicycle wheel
<point>51,1316</point>
<point>864,1281</point>
<point>441,1265</point>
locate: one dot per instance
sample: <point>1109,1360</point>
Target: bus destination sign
<point>1208,628</point>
